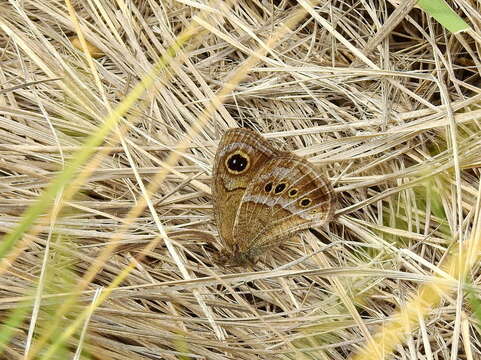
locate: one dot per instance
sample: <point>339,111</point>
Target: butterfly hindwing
<point>287,195</point>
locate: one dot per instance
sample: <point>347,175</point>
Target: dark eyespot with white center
<point>305,202</point>
<point>280,188</point>
<point>238,162</point>
<point>293,192</point>
<point>268,187</point>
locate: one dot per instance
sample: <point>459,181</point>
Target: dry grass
<point>379,95</point>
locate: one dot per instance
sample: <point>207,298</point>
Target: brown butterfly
<point>263,195</point>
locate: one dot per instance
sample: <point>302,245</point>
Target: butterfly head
<point>235,257</point>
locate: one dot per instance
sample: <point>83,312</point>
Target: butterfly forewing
<point>239,156</point>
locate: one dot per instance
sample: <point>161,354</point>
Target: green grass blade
<point>475,303</point>
<point>443,14</point>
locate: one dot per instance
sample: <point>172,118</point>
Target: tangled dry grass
<point>376,93</point>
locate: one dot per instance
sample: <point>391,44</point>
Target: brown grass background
<point>376,93</point>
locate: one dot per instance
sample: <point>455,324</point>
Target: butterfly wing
<point>240,154</point>
<point>287,195</point>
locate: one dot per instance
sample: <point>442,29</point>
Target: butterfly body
<point>263,195</point>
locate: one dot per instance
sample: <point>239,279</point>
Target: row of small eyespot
<point>304,202</point>
<point>239,162</point>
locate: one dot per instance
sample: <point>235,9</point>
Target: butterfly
<point>262,196</point>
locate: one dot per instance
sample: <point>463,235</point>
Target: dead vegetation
<point>378,94</point>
